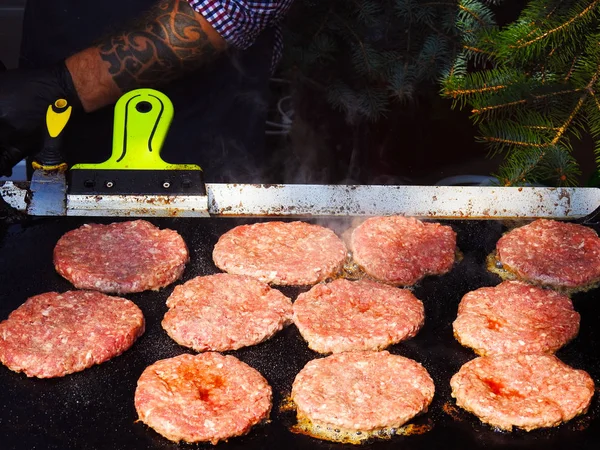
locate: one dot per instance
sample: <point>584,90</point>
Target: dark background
<point>420,143</point>
<point>417,144</point>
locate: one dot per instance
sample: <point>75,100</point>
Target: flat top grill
<point>94,409</point>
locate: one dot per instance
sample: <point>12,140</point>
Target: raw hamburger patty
<point>283,253</point>
<point>122,257</point>
<point>360,391</point>
<point>206,397</point>
<point>515,317</point>
<point>347,315</point>
<point>52,335</point>
<point>550,252</point>
<point>527,391</point>
<point>225,312</point>
<point>402,250</point>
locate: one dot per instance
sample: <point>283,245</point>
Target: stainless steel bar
<point>137,205</point>
<point>418,201</point>
<point>475,202</point>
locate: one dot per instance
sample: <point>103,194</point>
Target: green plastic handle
<point>141,123</point>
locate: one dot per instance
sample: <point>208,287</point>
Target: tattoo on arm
<point>168,42</point>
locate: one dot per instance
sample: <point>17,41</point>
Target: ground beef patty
<point>225,312</point>
<point>52,335</point>
<point>527,391</point>
<point>354,396</point>
<point>122,257</point>
<point>402,250</point>
<point>206,397</point>
<point>515,317</point>
<point>553,253</point>
<point>283,253</point>
<point>347,315</point>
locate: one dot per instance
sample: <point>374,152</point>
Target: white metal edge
<point>417,201</point>
<point>137,206</point>
<point>307,200</point>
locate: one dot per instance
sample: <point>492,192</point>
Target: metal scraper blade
<point>47,194</point>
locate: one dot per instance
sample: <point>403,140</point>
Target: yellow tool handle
<point>51,157</point>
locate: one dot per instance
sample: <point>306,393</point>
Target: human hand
<point>24,98</point>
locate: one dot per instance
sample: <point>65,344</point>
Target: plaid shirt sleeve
<point>239,22</point>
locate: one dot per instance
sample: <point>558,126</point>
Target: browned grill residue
<point>287,405</point>
<point>414,429</point>
<point>453,411</point>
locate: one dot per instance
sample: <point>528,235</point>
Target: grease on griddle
<point>353,272</point>
<point>505,272</point>
<point>454,411</point>
<point>305,426</point>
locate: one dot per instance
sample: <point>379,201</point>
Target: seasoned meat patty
<point>526,390</point>
<point>203,398</point>
<point>402,250</point>
<point>347,315</point>
<point>282,253</point>
<point>553,253</point>
<point>52,334</point>
<point>515,317</point>
<point>122,257</point>
<point>225,312</point>
<point>354,396</point>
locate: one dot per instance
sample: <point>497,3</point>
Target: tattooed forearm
<point>168,42</point>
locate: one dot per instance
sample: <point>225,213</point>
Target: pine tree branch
<point>559,28</point>
<point>552,12</point>
<point>472,14</point>
<point>596,100</point>
<point>560,131</point>
<point>534,30</point>
<point>588,91</point>
<point>496,140</point>
<point>543,68</point>
<point>360,42</point>
<point>494,107</point>
<point>523,170</point>
<point>571,69</point>
<point>478,50</point>
<point>539,127</point>
<point>462,92</point>
<point>520,102</point>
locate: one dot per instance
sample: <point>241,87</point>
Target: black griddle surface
<point>94,409</point>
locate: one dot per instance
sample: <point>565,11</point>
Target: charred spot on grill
<point>414,429</point>
<point>454,411</point>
